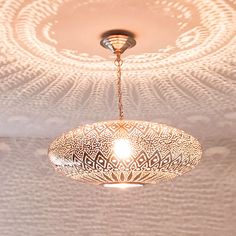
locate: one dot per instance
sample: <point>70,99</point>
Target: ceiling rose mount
<point>124,153</point>
<point>118,40</point>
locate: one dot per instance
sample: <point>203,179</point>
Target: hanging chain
<point>118,62</point>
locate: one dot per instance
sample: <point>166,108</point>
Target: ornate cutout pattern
<point>159,152</point>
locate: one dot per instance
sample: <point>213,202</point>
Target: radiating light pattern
<point>181,72</point>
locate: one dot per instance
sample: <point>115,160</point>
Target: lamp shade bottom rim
<point>122,185</point>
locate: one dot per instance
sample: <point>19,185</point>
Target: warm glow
<point>122,149</point>
<point>127,162</point>
<point>122,185</point>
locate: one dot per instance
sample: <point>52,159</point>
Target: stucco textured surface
<point>36,201</point>
<point>54,76</point>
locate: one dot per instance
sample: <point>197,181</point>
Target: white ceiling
<point>55,76</point>
<point>36,201</point>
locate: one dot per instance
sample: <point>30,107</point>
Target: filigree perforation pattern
<point>159,152</point>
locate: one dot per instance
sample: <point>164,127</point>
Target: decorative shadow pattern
<point>180,69</point>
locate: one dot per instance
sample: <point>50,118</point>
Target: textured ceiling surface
<point>37,202</point>
<point>54,76</point>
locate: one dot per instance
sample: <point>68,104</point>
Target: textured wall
<point>55,76</point>
<point>36,201</point>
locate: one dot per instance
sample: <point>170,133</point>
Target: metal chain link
<point>118,62</point>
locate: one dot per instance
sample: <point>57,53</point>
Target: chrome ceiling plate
<point>118,40</point>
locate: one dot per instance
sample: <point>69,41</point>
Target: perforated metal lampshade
<point>133,152</point>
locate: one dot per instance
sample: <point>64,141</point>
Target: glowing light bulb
<point>122,149</point>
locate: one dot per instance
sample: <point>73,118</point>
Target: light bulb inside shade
<point>122,149</point>
<point>123,185</point>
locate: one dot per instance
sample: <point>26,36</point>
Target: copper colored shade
<point>147,153</point>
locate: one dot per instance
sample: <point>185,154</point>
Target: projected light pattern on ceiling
<point>52,63</point>
<point>46,30</point>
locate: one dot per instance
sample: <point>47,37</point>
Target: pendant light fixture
<point>124,153</point>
